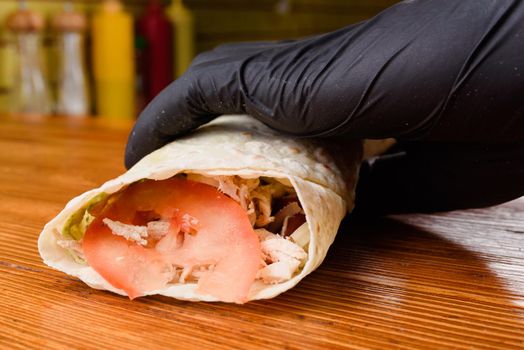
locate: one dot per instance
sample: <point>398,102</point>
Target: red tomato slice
<point>224,237</point>
<point>125,265</point>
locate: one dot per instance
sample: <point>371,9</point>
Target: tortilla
<point>234,145</point>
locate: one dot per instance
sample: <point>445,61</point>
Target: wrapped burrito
<point>233,212</point>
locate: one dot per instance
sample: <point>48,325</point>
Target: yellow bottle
<point>184,45</point>
<point>113,62</point>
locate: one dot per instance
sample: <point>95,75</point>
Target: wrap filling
<point>222,233</point>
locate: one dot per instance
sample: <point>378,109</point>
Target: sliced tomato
<point>125,265</point>
<point>224,238</point>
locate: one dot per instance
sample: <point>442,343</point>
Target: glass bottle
<point>30,92</point>
<point>72,94</point>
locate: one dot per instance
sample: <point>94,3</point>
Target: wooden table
<point>447,281</point>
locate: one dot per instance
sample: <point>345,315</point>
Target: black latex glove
<point>445,78</point>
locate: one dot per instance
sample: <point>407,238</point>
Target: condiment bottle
<point>156,29</point>
<point>140,71</point>
<point>30,91</point>
<point>73,96</point>
<point>184,42</point>
<point>113,61</point>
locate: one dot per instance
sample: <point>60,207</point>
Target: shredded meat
<point>190,273</point>
<point>157,229</point>
<point>281,256</point>
<point>278,272</point>
<point>227,186</point>
<point>262,199</point>
<point>263,234</point>
<point>279,248</point>
<point>237,188</point>
<point>129,232</point>
<point>189,224</point>
<point>256,199</point>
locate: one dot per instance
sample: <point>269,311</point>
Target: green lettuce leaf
<point>77,223</point>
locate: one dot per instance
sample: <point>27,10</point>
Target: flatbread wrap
<point>233,212</point>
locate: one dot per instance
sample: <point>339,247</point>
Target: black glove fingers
<point>430,177</point>
<point>421,70</point>
<point>486,103</point>
<point>170,114</point>
<point>396,75</point>
<point>250,46</point>
<point>201,94</point>
<point>280,86</point>
<point>236,51</point>
<point>455,81</point>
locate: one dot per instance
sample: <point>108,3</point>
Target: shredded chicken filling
<point>272,208</point>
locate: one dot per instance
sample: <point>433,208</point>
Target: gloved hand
<point>445,78</point>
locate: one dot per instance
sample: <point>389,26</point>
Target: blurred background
<point>108,58</point>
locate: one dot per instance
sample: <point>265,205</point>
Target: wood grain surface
<point>446,281</point>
